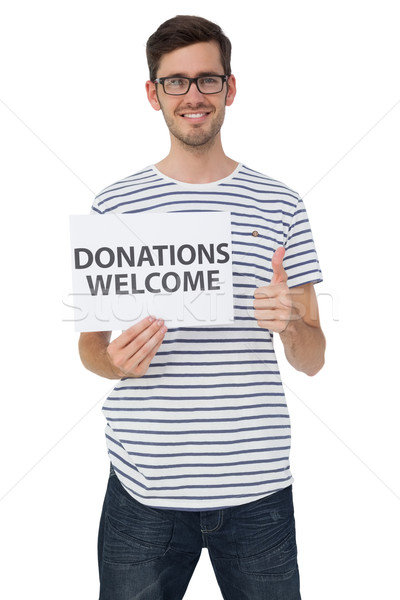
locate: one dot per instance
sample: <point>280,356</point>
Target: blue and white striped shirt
<point>207,426</point>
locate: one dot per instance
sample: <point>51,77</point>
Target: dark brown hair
<point>181,31</point>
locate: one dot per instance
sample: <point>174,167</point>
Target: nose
<point>193,94</point>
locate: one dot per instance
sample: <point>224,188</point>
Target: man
<point>198,431</point>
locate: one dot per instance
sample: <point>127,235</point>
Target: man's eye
<point>175,82</point>
<point>208,81</point>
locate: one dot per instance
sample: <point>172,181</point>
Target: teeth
<point>195,115</point>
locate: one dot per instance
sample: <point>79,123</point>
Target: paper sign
<point>174,266</point>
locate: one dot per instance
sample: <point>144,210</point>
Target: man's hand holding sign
<point>297,321</point>
<point>131,353</point>
<point>128,355</point>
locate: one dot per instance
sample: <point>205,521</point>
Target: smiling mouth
<point>197,115</point>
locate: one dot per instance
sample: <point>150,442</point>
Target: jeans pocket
<point>134,533</point>
<point>266,538</point>
<point>276,563</point>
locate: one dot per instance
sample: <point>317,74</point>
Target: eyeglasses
<point>178,86</point>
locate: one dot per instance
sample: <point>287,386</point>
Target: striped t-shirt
<point>207,426</point>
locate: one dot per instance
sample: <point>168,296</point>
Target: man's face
<point>194,119</point>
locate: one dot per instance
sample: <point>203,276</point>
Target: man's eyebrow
<point>176,75</point>
<point>209,74</point>
<point>201,74</point>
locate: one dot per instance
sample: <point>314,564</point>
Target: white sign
<point>174,266</point>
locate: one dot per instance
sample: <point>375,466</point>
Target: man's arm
<point>303,339</point>
<point>293,313</point>
<point>129,355</point>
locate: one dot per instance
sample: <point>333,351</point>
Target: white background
<point>318,107</point>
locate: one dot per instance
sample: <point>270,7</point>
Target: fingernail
<point>164,329</point>
<point>151,319</point>
<point>160,322</point>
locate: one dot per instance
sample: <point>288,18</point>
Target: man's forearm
<point>304,346</point>
<point>93,353</point>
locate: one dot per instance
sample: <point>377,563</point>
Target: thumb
<point>279,273</point>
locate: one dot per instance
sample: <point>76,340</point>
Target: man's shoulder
<point>139,177</point>
<point>132,184</point>
<point>262,179</point>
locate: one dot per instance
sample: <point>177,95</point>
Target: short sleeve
<point>301,261</point>
<point>95,210</point>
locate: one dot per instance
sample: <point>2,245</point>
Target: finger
<point>279,274</point>
<point>263,292</point>
<point>270,291</point>
<point>147,349</point>
<point>122,356</point>
<point>267,303</point>
<point>267,315</point>
<point>143,338</point>
<point>274,326</point>
<point>132,332</point>
<point>144,365</point>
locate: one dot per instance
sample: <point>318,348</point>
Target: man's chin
<point>197,139</point>
<point>197,142</point>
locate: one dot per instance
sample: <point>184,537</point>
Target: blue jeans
<point>150,554</point>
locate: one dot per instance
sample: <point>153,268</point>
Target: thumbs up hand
<point>273,304</point>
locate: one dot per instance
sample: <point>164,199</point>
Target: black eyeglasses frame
<point>224,79</point>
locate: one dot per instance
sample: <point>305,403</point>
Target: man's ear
<point>231,93</point>
<point>151,91</point>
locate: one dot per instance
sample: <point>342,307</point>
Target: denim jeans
<point>150,554</point>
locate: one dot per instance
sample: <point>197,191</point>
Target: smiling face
<point>194,119</point>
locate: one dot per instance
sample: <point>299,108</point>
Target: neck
<point>197,164</point>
